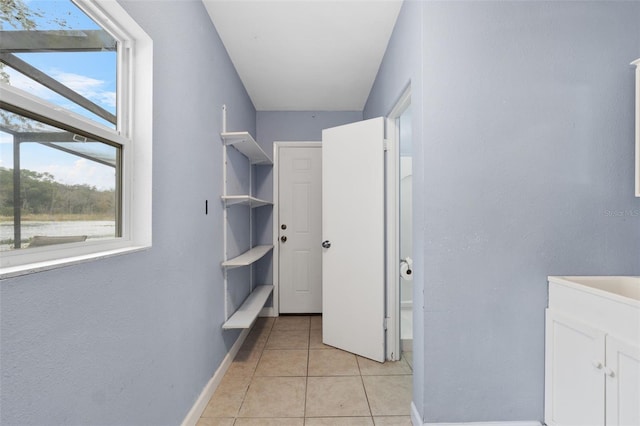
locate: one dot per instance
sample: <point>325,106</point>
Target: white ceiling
<point>306,55</point>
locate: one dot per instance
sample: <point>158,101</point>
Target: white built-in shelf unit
<point>245,315</point>
<point>244,142</point>
<point>248,257</point>
<point>247,200</point>
<point>248,312</point>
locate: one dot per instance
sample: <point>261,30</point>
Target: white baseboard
<point>507,423</point>
<point>406,345</point>
<point>416,420</point>
<point>201,403</point>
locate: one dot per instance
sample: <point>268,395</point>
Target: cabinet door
<point>623,383</point>
<point>574,379</point>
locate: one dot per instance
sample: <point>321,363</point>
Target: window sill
<point>32,268</point>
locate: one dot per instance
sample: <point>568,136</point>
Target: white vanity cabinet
<point>592,352</point>
<point>574,383</point>
<point>622,382</point>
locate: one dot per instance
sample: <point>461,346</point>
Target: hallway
<point>284,376</point>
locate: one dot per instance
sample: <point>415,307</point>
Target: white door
<point>353,238</point>
<point>300,228</point>
<point>623,383</point>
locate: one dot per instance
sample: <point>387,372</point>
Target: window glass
<point>74,172</point>
<point>53,50</point>
<point>67,185</point>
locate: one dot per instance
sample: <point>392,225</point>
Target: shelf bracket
<point>224,118</point>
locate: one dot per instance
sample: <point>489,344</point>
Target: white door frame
<point>393,349</point>
<point>276,216</point>
<point>393,225</point>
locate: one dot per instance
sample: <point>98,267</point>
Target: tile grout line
<point>253,374</point>
<point>365,389</point>
<point>306,379</point>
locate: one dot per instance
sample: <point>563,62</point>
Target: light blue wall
<point>283,126</point>
<point>288,126</point>
<point>132,340</point>
<point>523,140</point>
<point>405,133</point>
<point>526,144</point>
<point>401,67</point>
<point>299,125</point>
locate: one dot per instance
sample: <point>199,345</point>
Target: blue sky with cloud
<point>91,74</point>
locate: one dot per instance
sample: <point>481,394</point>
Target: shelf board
<point>244,142</point>
<point>248,312</point>
<point>248,257</point>
<point>232,200</point>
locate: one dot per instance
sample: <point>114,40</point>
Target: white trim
<point>404,101</point>
<point>27,101</point>
<point>276,216</point>
<point>506,423</point>
<point>392,250</point>
<point>393,344</point>
<point>406,345</point>
<point>637,119</point>
<point>140,180</point>
<point>135,60</point>
<point>201,403</point>
<point>32,268</point>
<point>416,418</point>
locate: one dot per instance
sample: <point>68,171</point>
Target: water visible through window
<point>56,186</point>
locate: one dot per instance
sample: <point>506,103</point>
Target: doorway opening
<point>406,229</point>
<point>350,204</point>
<point>399,228</point>
<point>297,227</point>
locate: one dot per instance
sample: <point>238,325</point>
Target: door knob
<point>283,239</point>
<point>326,244</point>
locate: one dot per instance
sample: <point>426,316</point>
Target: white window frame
<point>134,134</point>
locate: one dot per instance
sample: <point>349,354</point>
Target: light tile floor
<point>285,376</point>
